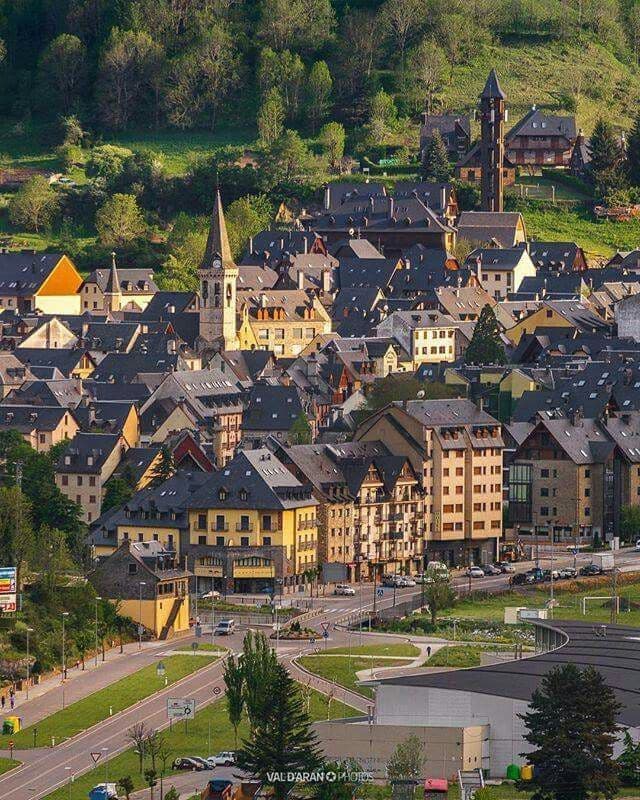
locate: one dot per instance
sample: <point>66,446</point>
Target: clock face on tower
<point>217,263</point>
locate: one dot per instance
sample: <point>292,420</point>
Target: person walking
<point>3,701</point>
<point>12,702</point>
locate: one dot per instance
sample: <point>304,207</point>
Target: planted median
<point>95,708</point>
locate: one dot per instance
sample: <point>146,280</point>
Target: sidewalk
<point>52,694</point>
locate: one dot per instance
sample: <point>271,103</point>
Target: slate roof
<point>446,412</point>
<point>22,274</point>
<point>374,272</point>
<point>86,447</point>
<point>492,87</point>
<point>65,360</point>
<point>271,408</point>
<point>66,392</point>
<point>107,337</point>
<point>97,417</point>
<point>161,303</point>
<point>497,258</point>
<point>355,248</point>
<point>253,479</point>
<point>538,123</point>
<point>554,255</point>
<point>132,281</point>
<point>484,226</point>
<point>125,367</point>
<point>32,418</point>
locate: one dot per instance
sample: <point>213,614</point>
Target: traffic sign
<point>96,757</point>
<point>194,646</point>
<point>181,708</point>
<point>325,634</point>
<point>380,592</point>
<point>325,626</point>
<point>198,629</point>
<point>312,640</point>
<point>216,690</point>
<point>160,669</point>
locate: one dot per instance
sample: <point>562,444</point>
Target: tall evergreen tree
<point>234,696</point>
<point>486,346</point>
<point>435,164</point>
<point>607,159</point>
<point>164,468</point>
<point>633,152</point>
<point>284,742</point>
<point>258,665</point>
<point>572,727</point>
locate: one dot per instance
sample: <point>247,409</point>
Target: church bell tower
<point>218,275</point>
<point>492,119</point>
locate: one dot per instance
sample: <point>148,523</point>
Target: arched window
<point>205,290</point>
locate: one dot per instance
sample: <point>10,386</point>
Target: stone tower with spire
<point>492,119</point>
<point>218,275</point>
<point>112,291</point>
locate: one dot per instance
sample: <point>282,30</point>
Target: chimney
<point>305,245</point>
<point>392,206</point>
<point>479,268</point>
<point>171,346</point>
<point>443,198</point>
<point>327,197</point>
<point>251,245</point>
<point>300,279</point>
<point>263,300</point>
<point>326,280</point>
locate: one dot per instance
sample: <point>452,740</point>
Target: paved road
<point>44,769</point>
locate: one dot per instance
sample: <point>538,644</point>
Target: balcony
<point>241,528</point>
<point>307,524</point>
<point>219,528</point>
<point>397,517</point>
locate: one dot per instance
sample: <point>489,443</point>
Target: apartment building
<point>370,512</point>
<point>256,523</point>
<point>430,337</point>
<point>456,449</point>
<point>84,467</point>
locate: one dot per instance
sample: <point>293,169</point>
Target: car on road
<point>506,566</point>
<point>404,581</point>
<point>194,763</point>
<point>391,581</point>
<point>490,569</point>
<point>227,758</point>
<point>344,589</point>
<point>212,595</point>
<point>225,627</point>
<point>475,572</point>
<point>637,544</point>
<point>591,569</point>
<point>567,572</point>
<point>519,579</point>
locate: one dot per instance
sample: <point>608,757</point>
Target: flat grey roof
<point>616,656</point>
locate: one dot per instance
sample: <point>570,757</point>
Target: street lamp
<point>29,630</point>
<point>65,614</point>
<point>97,599</point>
<point>141,584</point>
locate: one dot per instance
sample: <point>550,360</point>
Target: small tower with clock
<point>218,275</point>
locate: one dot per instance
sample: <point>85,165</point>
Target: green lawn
<point>400,650</point>
<point>460,655</point>
<point>343,670</point>
<point>211,721</point>
<point>95,708</point>
<point>8,763</point>
<point>600,239</point>
<point>206,646</point>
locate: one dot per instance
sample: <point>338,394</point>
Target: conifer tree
<point>435,164</point>
<point>572,727</point>
<point>284,742</point>
<point>486,346</point>
<point>633,153</point>
<point>607,159</point>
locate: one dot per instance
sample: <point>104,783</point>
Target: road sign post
<point>95,756</point>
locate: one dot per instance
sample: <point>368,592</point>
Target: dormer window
<point>89,461</point>
<point>222,494</point>
<point>243,494</point>
<point>67,460</point>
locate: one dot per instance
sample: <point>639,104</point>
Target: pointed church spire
<point>113,281</point>
<point>492,87</point>
<point>218,240</point>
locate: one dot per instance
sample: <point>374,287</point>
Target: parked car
<point>506,566</point>
<point>474,572</point>
<point>194,763</point>
<point>390,581</point>
<point>591,569</point>
<point>567,572</point>
<point>519,579</point>
<point>405,581</point>
<point>344,589</point>
<point>637,544</point>
<point>212,595</point>
<point>227,758</point>
<point>225,627</point>
<point>491,569</point>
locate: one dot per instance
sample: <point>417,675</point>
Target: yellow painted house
<point>147,583</point>
<point>500,387</point>
<point>255,523</point>
<point>558,314</point>
<point>31,281</point>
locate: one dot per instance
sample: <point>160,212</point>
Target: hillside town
<point>385,397</point>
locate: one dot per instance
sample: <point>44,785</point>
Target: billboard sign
<point>8,589</point>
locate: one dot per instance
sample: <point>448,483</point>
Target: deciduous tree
<point>63,72</point>
<point>430,71</point>
<point>119,221</point>
<point>332,139</point>
<point>234,696</point>
<point>271,115</point>
<point>34,205</point>
<point>406,761</point>
<point>438,593</point>
<point>319,86</point>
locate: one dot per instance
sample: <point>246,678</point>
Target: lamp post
<point>65,614</point>
<point>97,598</point>
<point>29,630</point>
<point>140,585</point>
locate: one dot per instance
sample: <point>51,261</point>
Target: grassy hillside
<point>545,72</point>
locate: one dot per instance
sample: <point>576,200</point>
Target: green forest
<point>138,108</point>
